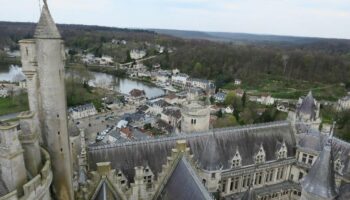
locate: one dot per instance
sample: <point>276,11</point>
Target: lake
<point>122,85</point>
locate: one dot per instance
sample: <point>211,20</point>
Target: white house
<point>238,82</point>
<point>162,77</point>
<point>220,97</point>
<point>82,111</point>
<point>344,103</point>
<point>137,54</point>
<point>179,79</point>
<point>122,124</point>
<point>3,91</point>
<point>266,100</point>
<point>228,110</point>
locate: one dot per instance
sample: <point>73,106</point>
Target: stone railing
<point>38,187</point>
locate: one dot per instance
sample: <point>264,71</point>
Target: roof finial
<point>45,2</point>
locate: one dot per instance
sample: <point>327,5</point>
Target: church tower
<point>43,59</point>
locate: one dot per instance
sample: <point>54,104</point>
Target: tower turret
<point>44,59</point>
<point>12,169</point>
<point>319,184</point>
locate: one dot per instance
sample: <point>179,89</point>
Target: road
<point>97,123</point>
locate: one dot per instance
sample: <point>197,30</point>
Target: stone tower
<point>195,117</point>
<point>12,169</point>
<point>43,61</point>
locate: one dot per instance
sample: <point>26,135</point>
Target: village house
<point>137,54</point>
<point>158,106</point>
<point>228,110</point>
<point>162,77</point>
<point>219,97</point>
<point>82,111</point>
<point>4,91</point>
<point>126,133</point>
<point>238,81</point>
<point>344,103</point>
<point>179,79</point>
<point>171,116</point>
<point>266,100</point>
<point>136,96</point>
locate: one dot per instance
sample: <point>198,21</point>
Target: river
<point>122,85</point>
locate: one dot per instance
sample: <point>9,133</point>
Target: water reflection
<point>123,85</point>
<point>12,74</point>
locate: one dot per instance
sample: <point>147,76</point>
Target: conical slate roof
<point>46,27</point>
<point>308,105</point>
<point>320,179</point>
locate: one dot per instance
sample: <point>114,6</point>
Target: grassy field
<point>13,105</point>
<point>280,87</point>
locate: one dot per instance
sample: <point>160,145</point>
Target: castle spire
<point>320,181</point>
<point>46,28</point>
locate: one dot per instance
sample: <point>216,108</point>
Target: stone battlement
<point>38,187</point>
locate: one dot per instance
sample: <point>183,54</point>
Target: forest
<point>313,60</point>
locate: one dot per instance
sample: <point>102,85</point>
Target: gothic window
<point>223,186</point>
<point>246,180</point>
<point>304,158</point>
<point>280,172</point>
<point>260,156</point>
<point>310,159</point>
<point>236,160</point>
<point>301,175</point>
<point>258,178</point>
<point>282,152</point>
<point>269,175</point>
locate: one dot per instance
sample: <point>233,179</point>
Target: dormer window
<point>236,160</point>
<point>260,156</point>
<point>282,152</point>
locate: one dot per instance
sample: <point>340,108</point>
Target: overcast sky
<point>320,18</point>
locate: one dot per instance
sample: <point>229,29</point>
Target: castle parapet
<point>38,188</point>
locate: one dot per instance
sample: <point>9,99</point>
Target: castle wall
<point>38,188</point>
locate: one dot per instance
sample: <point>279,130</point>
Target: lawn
<point>13,105</point>
<point>281,87</point>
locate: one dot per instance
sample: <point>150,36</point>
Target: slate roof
<point>320,179</point>
<point>46,27</point>
<point>184,184</point>
<point>308,106</point>
<point>344,192</point>
<point>154,152</point>
<point>105,192</point>
<point>3,188</point>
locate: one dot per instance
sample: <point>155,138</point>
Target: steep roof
<point>104,192</point>
<point>320,179</point>
<point>344,192</point>
<point>307,106</point>
<point>184,184</point>
<point>46,27</point>
<point>154,152</point>
<point>3,188</point>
